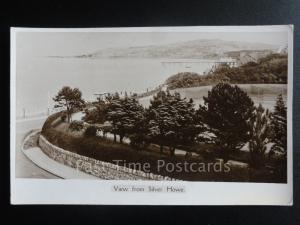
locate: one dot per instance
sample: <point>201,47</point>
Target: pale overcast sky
<point>74,43</point>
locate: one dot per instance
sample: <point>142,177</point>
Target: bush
<point>76,125</point>
<point>63,117</point>
<point>90,131</point>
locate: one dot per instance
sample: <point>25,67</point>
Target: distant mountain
<point>197,49</point>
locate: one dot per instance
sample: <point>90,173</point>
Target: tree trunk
<point>68,114</point>
<point>121,139</point>
<point>115,138</point>
<point>68,117</point>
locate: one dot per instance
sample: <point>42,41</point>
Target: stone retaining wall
<point>103,170</point>
<point>31,139</point>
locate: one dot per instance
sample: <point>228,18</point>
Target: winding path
<point>25,168</point>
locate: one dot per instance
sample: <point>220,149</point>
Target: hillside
<point>269,69</point>
<point>197,49</point>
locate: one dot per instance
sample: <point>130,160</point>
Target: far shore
<point>260,93</point>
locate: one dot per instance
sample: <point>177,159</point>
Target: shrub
<point>63,117</point>
<point>90,131</point>
<point>76,125</point>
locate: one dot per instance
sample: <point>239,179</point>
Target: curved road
<point>25,168</point>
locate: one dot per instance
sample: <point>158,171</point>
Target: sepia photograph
<point>194,105</point>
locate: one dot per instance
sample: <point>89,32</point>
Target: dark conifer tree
<point>114,113</point>
<point>279,126</point>
<point>127,117</point>
<point>70,99</point>
<point>171,121</point>
<point>259,132</point>
<point>160,120</point>
<point>227,112</point>
<point>133,121</point>
<point>97,114</point>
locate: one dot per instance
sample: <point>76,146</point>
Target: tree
<point>155,113</point>
<point>227,111</point>
<point>134,122</point>
<point>76,125</point>
<point>279,126</point>
<point>127,118</point>
<point>171,121</point>
<point>90,131</point>
<point>162,121</point>
<point>97,114</point>
<point>186,128</point>
<point>259,132</point>
<point>70,99</point>
<point>114,113</point>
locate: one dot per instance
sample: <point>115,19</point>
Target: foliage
<point>259,132</point>
<point>96,114</point>
<point>76,125</point>
<point>105,150</point>
<point>279,126</point>
<point>228,120</point>
<point>171,121</point>
<point>90,131</point>
<point>63,117</point>
<point>127,118</point>
<point>114,115</point>
<point>269,69</point>
<point>227,111</point>
<point>70,99</point>
<point>134,122</point>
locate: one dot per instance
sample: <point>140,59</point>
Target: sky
<point>76,43</point>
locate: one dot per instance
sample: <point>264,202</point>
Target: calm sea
<point>40,78</point>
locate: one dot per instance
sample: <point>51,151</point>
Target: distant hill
<point>197,49</point>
